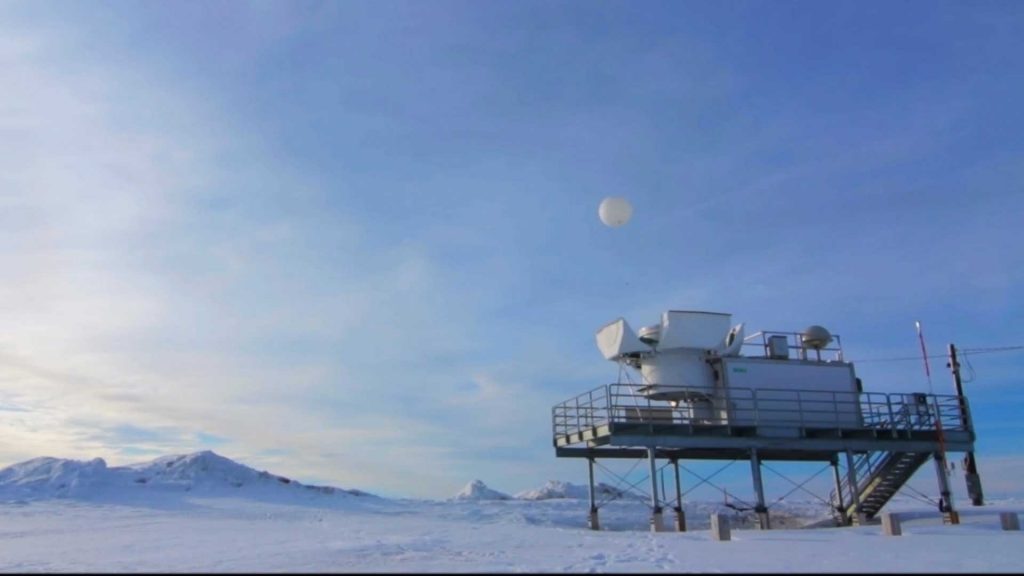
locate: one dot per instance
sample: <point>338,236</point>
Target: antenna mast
<point>970,466</point>
<point>941,464</point>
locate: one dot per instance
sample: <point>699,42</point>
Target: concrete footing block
<point>720,528</point>
<point>657,522</point>
<point>1009,520</point>
<point>680,520</point>
<point>891,524</point>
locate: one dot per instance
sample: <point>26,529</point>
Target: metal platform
<point>885,437</point>
<point>623,415</point>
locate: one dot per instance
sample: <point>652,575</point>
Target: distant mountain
<point>477,490</point>
<point>54,477</point>
<point>201,472</point>
<point>555,489</point>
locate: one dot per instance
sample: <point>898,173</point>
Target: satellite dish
<point>734,341</point>
<point>650,334</point>
<point>615,211</point>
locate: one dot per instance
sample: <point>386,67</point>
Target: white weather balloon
<point>615,211</point>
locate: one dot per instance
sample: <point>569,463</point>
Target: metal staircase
<point>879,476</point>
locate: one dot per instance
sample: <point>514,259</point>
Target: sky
<point>358,243</point>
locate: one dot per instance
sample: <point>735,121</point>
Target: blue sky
<point>357,242</point>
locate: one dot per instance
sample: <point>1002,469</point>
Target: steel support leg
<point>594,523</point>
<point>840,506</point>
<point>970,466</point>
<point>949,512</point>
<point>857,518</point>
<point>760,508</point>
<point>680,515</point>
<point>656,521</point>
<point>973,480</point>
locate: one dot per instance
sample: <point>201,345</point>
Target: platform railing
<point>758,345</point>
<point>705,406</point>
<point>584,411</point>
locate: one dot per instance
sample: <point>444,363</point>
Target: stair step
<point>885,474</point>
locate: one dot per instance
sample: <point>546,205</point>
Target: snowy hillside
<point>477,490</point>
<point>554,489</point>
<point>201,472</point>
<point>203,512</point>
<point>209,474</point>
<point>54,477</point>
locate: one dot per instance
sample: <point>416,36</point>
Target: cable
<point>621,480</point>
<point>962,352</point>
<point>632,486</point>
<point>708,479</point>
<point>798,486</point>
<point>924,497</point>
<point>725,492</point>
<point>629,381</point>
<point>993,349</point>
<point>901,359</point>
<point>967,362</point>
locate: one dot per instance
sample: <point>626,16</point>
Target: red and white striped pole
<point>941,462</point>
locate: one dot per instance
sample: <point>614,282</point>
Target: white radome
<point>615,211</point>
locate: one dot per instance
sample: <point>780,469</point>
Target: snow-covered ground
<point>203,512</point>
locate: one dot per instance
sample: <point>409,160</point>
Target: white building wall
<point>828,392</point>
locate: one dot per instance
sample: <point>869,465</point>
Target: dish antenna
<point>816,338</point>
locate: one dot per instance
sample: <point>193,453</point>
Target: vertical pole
<point>594,523</point>
<point>760,508</point>
<point>946,500</point>
<point>971,467</point>
<point>680,515</point>
<point>840,507</point>
<point>851,479</point>
<point>656,525</point>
